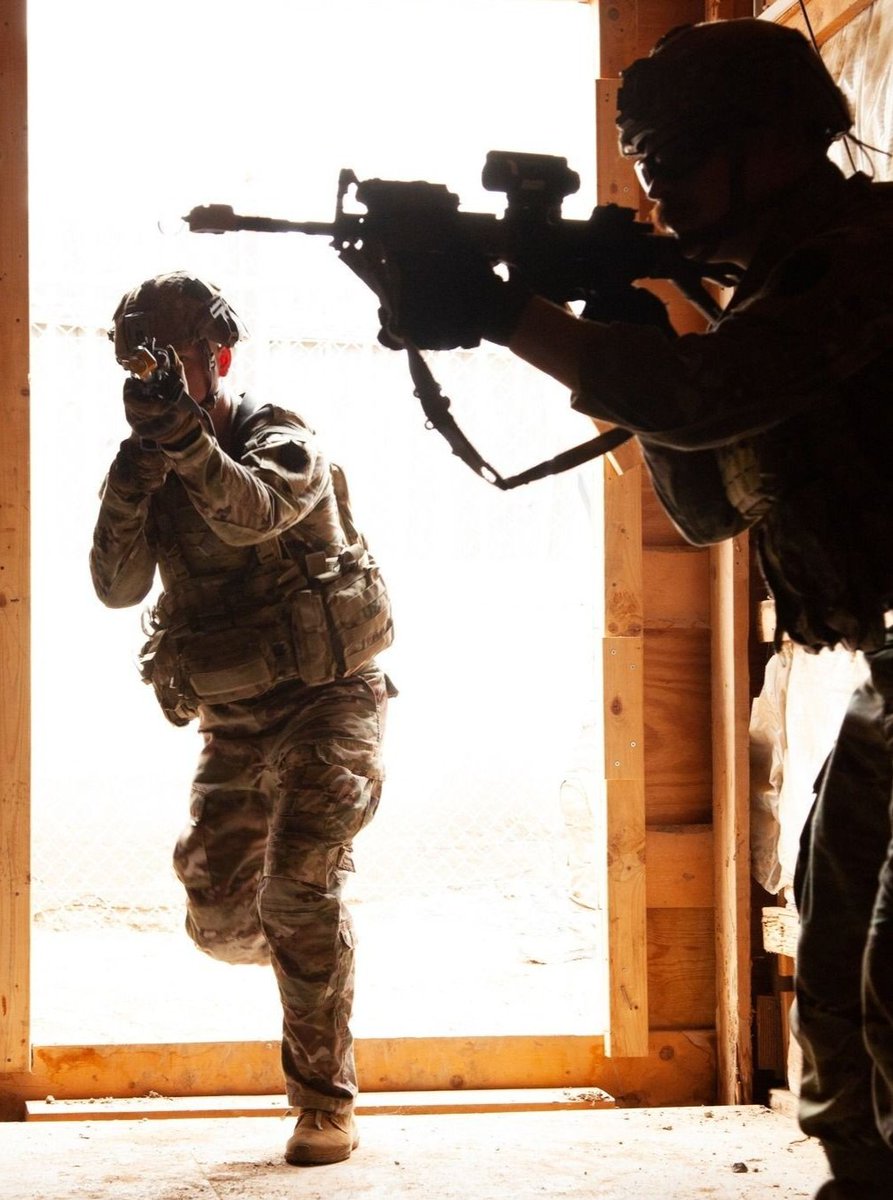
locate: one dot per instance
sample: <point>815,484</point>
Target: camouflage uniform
<point>288,776</point>
<point>780,420</point>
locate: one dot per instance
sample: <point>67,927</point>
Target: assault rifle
<point>595,261</point>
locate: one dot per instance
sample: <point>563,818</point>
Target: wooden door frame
<point>639,1064</point>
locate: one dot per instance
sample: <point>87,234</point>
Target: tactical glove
<point>632,305</point>
<point>444,300</point>
<point>160,409</point>
<point>137,473</point>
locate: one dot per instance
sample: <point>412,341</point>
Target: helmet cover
<point>715,79</point>
<point>173,309</point>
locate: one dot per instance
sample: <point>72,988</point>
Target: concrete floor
<point>746,1153</point>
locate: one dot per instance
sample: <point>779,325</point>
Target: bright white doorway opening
<point>476,896</point>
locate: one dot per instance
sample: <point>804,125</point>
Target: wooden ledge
<point>374,1104</point>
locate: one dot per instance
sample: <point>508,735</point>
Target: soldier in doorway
<point>777,419</point>
<point>265,631</point>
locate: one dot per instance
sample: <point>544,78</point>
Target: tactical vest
<point>257,616</point>
<point>823,544</point>
<point>817,493</point>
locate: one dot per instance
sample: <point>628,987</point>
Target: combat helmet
<point>709,82</point>
<point>174,308</point>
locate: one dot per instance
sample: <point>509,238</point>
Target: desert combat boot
<point>321,1137</point>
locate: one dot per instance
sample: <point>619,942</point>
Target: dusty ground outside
<point>456,964</point>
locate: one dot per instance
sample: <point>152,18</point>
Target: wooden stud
<point>731,815</point>
<point>826,17</point>
<point>624,615</point>
<point>627,920</point>
<point>618,36</point>
<point>622,671</point>
<point>15,588</point>
<point>624,766</point>
<point>616,177</point>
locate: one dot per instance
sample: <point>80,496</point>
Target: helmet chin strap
<point>210,365</point>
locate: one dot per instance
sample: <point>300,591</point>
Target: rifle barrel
<point>220,218</point>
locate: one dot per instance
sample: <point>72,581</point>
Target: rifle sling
<point>436,408</point>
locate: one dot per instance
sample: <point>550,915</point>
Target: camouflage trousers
<point>283,784</point>
<point>844,980</point>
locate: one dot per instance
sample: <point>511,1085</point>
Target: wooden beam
<point>624,605</point>
<point>619,41</point>
<point>826,17</point>
<point>731,823</point>
<point>629,28</point>
<point>679,1068</point>
<point>622,668</point>
<point>624,766</point>
<point>15,589</point>
<point>615,175</point>
<point>727,10</point>
<point>379,1104</point>
<point>627,919</point>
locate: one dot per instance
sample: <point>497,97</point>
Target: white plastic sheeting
<point>860,57</point>
<point>794,722</point>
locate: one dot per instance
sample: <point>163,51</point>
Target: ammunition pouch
<point>323,627</point>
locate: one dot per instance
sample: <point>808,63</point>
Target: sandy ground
<point>657,1154</point>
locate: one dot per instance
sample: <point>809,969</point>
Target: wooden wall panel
<point>675,588</point>
<point>681,968</point>
<point>679,861</point>
<point>678,748</point>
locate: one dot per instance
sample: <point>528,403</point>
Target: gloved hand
<point>443,300</point>
<point>160,409</point>
<point>632,305</point>
<point>135,472</point>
